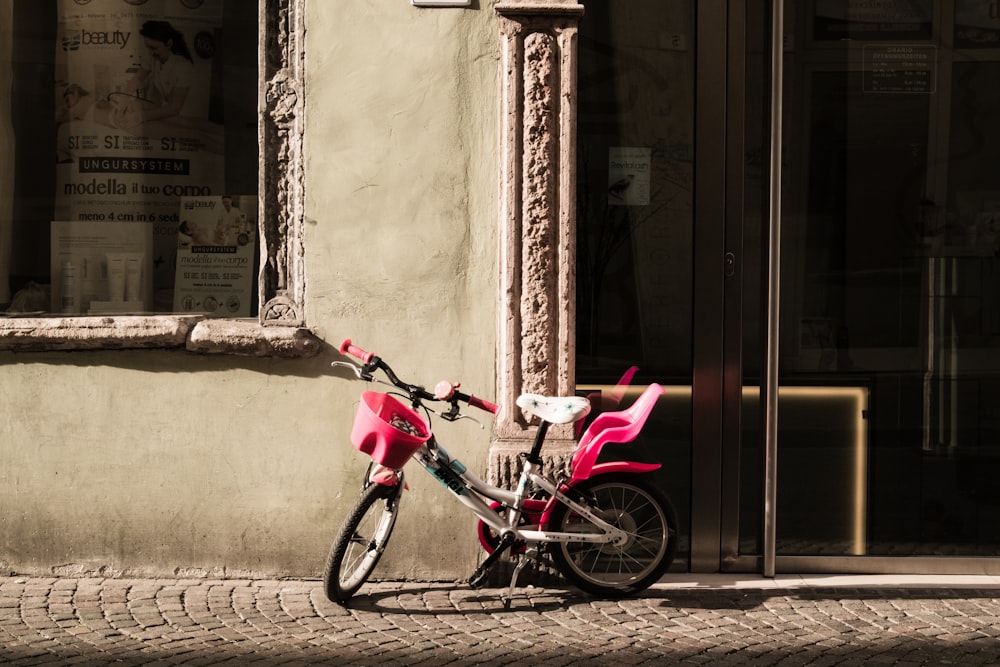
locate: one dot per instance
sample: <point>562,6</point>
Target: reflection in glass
<point>891,286</point>
<point>634,212</point>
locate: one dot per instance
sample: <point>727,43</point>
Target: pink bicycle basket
<point>387,430</point>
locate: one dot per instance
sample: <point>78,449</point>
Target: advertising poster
<point>139,116</point>
<point>216,248</point>
<point>100,267</point>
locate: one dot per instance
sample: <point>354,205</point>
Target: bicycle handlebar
<point>478,403</point>
<point>370,359</point>
<point>349,348</point>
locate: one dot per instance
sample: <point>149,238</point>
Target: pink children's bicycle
<point>603,525</point>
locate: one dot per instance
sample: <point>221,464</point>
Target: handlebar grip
<point>349,348</point>
<point>484,405</point>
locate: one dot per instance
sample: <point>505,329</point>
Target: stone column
<point>537,221</point>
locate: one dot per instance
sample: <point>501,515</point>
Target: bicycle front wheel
<point>632,504</point>
<point>360,542</point>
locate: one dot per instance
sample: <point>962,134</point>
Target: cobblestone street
<point>707,620</point>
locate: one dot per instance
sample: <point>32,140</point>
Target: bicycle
<point>603,526</point>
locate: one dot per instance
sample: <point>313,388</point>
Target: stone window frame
<point>279,329</point>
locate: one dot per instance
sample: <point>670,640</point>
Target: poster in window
<point>628,175</point>
<point>139,122</point>
<point>216,248</point>
<point>873,19</point>
<point>100,267</point>
<point>977,24</point>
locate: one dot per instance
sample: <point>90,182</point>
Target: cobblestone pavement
<point>228,622</point>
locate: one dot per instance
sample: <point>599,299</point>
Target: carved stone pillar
<point>537,220</point>
<point>282,202</point>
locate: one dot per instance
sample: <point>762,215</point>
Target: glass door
<point>888,413</point>
<point>635,179</point>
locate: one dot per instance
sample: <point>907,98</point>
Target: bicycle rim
<point>361,542</point>
<point>648,519</point>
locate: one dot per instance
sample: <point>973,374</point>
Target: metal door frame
<point>717,318</point>
<point>709,283</point>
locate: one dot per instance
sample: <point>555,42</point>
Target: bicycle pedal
<point>478,578</point>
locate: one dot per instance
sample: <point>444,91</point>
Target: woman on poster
<point>162,89</point>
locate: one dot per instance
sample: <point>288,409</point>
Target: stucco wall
<point>163,463</point>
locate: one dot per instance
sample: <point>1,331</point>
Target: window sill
<point>248,338</point>
<point>193,333</point>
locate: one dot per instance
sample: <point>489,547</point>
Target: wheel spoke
<point>359,546</point>
<point>646,549</point>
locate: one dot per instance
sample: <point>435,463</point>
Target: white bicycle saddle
<point>554,409</point>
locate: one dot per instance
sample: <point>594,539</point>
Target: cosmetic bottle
<point>68,292</point>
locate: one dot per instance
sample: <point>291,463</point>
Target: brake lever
<point>473,419</point>
<point>356,369</point>
<point>456,417</point>
<point>453,415</point>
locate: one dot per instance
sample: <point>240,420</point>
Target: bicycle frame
<point>464,482</point>
<point>608,427</point>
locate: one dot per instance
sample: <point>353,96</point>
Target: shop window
<point>132,153</point>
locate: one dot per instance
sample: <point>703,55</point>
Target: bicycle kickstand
<point>530,553</point>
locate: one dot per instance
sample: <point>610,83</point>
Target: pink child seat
<point>620,426</point>
<point>610,400</point>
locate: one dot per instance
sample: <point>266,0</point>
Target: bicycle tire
<point>354,555</point>
<point>631,503</point>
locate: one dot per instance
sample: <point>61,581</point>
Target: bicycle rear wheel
<point>361,540</point>
<point>628,502</point>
